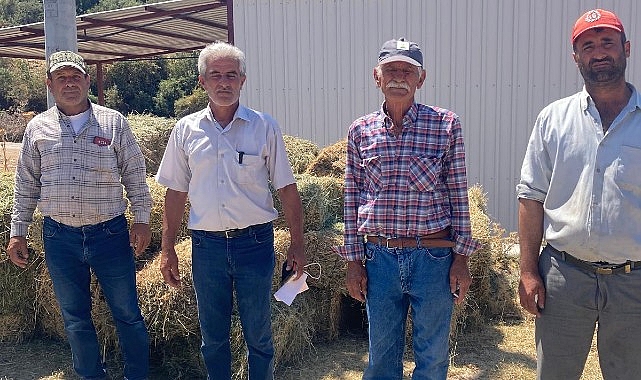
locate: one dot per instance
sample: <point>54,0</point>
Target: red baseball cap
<point>596,18</point>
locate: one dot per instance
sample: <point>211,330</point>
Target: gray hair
<point>220,49</point>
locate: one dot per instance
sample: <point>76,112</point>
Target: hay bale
<point>331,285</point>
<point>330,161</point>
<point>17,295</point>
<point>300,152</point>
<point>157,192</point>
<point>322,199</point>
<point>492,295</point>
<point>171,316</point>
<point>152,134</point>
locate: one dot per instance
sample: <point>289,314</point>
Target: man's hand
<point>296,258</point>
<point>357,280</point>
<point>532,292</point>
<point>460,278</point>
<point>17,251</point>
<point>139,237</point>
<point>169,267</point>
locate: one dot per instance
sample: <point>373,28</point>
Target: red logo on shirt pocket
<point>101,141</point>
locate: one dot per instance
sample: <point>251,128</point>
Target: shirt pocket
<point>252,170</point>
<point>629,169</point>
<point>101,158</point>
<point>374,168</point>
<point>424,173</point>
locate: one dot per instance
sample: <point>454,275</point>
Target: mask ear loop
<point>320,269</point>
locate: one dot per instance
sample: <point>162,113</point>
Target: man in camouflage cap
<point>76,158</point>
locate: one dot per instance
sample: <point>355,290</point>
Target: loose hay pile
<point>331,161</point>
<point>300,153</point>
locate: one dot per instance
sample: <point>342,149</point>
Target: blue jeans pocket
<point>439,253</point>
<point>50,228</point>
<point>116,226</point>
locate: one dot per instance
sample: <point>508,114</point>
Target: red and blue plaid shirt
<point>410,185</point>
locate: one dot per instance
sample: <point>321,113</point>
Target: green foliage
<point>19,12</point>
<point>108,5</point>
<point>192,103</point>
<point>136,82</point>
<point>22,85</point>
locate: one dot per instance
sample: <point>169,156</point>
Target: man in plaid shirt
<point>75,159</point>
<point>407,226</point>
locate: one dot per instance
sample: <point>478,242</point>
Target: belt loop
<point>562,255</point>
<point>227,234</point>
<point>628,266</point>
<point>418,242</point>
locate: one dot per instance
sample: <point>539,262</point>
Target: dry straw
<point>330,161</point>
<point>300,152</point>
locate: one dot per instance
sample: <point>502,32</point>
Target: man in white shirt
<point>223,159</point>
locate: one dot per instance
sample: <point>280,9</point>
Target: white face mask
<point>290,289</point>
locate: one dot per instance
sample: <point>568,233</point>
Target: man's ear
<point>421,79</point>
<point>377,78</point>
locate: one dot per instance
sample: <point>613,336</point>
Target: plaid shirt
<point>78,180</point>
<point>406,186</point>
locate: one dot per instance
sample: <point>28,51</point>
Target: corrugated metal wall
<point>494,62</point>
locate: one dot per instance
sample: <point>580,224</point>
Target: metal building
<point>495,63</point>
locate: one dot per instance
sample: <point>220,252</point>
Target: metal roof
<point>141,31</point>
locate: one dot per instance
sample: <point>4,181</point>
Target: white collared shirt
<point>225,191</point>
<point>589,181</point>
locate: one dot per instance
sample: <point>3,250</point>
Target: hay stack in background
<point>17,292</point>
<point>171,316</point>
<point>300,152</point>
<point>322,199</point>
<point>17,286</point>
<point>157,192</point>
<point>152,133</point>
<point>330,288</point>
<point>331,161</point>
<point>492,293</point>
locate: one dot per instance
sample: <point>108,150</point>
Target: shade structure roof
<point>137,32</point>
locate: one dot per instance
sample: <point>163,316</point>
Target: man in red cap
<point>580,190</point>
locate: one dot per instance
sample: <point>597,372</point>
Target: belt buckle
<point>599,270</point>
<point>387,240</point>
<point>227,234</point>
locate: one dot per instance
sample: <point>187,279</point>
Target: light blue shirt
<point>588,181</point>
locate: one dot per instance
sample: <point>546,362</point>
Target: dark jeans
<point>244,263</point>
<point>71,252</point>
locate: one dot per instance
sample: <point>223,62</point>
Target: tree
<point>137,83</point>
<point>19,12</point>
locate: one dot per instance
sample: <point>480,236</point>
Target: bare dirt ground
<point>495,352</point>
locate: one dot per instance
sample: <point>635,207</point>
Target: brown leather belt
<point>596,267</point>
<point>436,240</point>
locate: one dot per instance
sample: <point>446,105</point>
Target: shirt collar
<point>241,113</point>
<point>634,102</point>
<point>411,114</point>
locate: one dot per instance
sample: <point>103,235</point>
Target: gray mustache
<point>402,85</point>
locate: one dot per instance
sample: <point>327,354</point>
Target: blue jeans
<point>71,254</point>
<point>246,264</point>
<point>397,279</point>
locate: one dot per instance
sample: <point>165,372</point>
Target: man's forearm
<point>173,212</point>
<point>530,233</point>
<point>293,211</point>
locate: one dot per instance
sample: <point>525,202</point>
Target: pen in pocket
<point>240,157</point>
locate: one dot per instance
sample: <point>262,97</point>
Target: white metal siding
<point>495,63</point>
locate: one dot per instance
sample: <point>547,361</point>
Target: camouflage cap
<point>66,58</point>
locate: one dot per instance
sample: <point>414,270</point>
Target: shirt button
<point>598,170</point>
